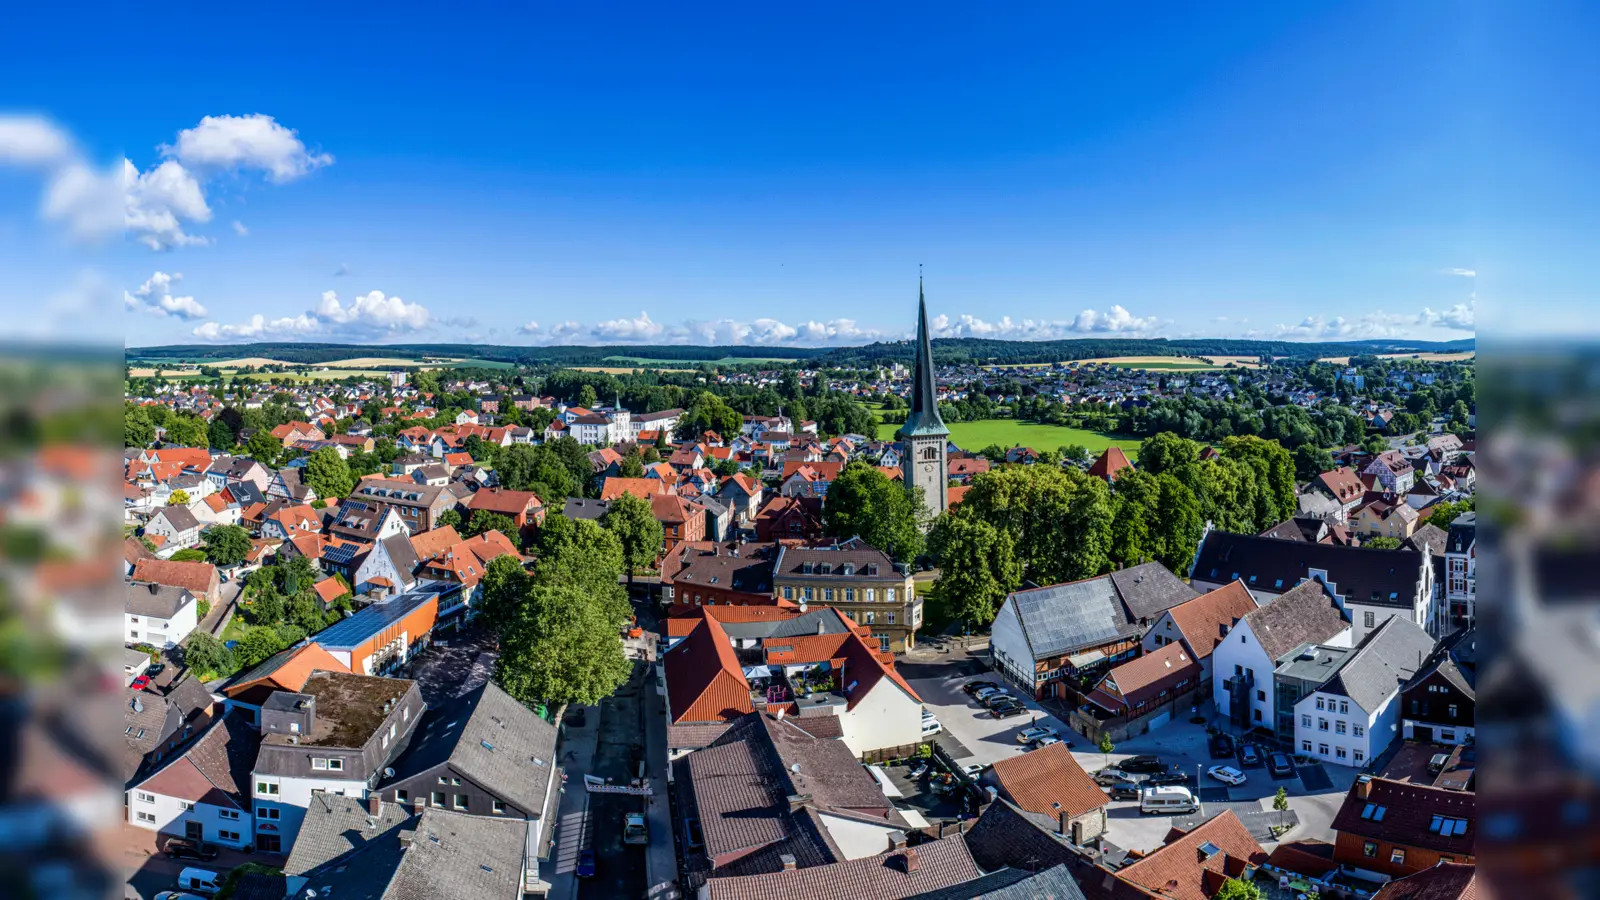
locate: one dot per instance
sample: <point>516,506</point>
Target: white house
<point>1354,716</point>
<point>1460,573</point>
<point>204,793</point>
<point>176,526</point>
<point>157,614</point>
<point>665,420</point>
<point>1394,473</point>
<point>1242,665</point>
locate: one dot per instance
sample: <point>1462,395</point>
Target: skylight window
<point>1374,812</point>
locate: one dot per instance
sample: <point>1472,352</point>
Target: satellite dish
<point>388,773</point>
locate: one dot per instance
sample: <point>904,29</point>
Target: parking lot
<point>971,735</point>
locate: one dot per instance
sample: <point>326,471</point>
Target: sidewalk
<point>576,751</point>
<point>661,857</point>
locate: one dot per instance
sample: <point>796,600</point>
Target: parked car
<point>693,835</point>
<point>927,713</point>
<point>1124,790</point>
<point>931,727</point>
<point>1006,711</point>
<point>1109,775</point>
<point>984,693</point>
<point>1143,764</point>
<point>634,830</point>
<point>972,687</point>
<point>1279,766</point>
<point>998,697</point>
<point>180,848</point>
<point>155,669</point>
<point>1175,777</point>
<point>973,769</point>
<point>141,683</point>
<point>1226,774</point>
<point>1167,801</point>
<point>1045,742</point>
<point>1035,732</point>
<point>585,863</point>
<point>1249,756</point>
<point>1221,746</point>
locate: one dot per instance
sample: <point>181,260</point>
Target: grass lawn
<point>1182,366</point>
<point>974,436</point>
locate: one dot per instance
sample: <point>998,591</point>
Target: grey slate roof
<point>157,601</point>
<point>460,857</point>
<point>1369,577</point>
<point>1149,589</point>
<point>496,741</point>
<point>581,508</point>
<point>815,621</point>
<point>1066,617</point>
<point>1463,531</point>
<point>1055,883</point>
<point>1429,535</point>
<point>401,553</point>
<point>180,517</point>
<point>337,828</point>
<point>1384,661</point>
<point>1305,614</point>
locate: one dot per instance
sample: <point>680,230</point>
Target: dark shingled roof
<point>1306,614</point>
<point>889,876</point>
<point>1408,813</point>
<point>1369,577</point>
<point>491,738</point>
<point>156,601</point>
<point>1148,590</point>
<point>1444,881</point>
<point>1012,884</point>
<point>1383,662</point>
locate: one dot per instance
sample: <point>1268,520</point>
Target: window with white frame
<point>230,814</point>
<point>227,835</point>
<point>145,798</point>
<point>146,817</point>
<point>1358,730</point>
<point>1338,727</point>
<point>268,812</point>
<point>184,804</point>
<point>267,787</point>
<point>1305,721</point>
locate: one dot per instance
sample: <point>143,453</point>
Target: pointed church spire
<point>924,416</point>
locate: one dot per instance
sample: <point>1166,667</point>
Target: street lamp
<point>1200,805</point>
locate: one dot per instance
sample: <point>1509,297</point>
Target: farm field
<point>364,366</point>
<point>1010,433</point>
<point>1172,363</point>
<point>1462,356</point>
<point>685,363</point>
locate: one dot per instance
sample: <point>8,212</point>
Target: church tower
<point>924,434</point>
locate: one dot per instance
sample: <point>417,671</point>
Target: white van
<point>1167,800</point>
<point>202,881</point>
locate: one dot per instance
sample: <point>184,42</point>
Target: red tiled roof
<point>704,680</point>
<point>643,488</point>
<point>955,495</point>
<point>1146,676</point>
<point>195,577</point>
<point>1444,881</point>
<point>1180,870</point>
<point>1048,781</point>
<point>929,867</point>
<point>1201,619</point>
<point>507,502</point>
<point>1112,461</point>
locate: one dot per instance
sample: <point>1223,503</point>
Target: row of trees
<point>1047,525</point>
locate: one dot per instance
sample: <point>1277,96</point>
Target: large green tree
<point>227,545</point>
<point>328,474</point>
<point>978,564</point>
<point>634,524</point>
<point>522,467</point>
<point>1059,520</point>
<point>484,521</point>
<point>187,430</point>
<point>863,502</point>
<point>561,647</point>
<point>709,412</point>
<point>263,447</point>
<point>505,588</point>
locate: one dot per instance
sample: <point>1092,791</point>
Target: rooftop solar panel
<point>1067,617</point>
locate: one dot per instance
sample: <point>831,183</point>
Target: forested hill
<point>951,350</point>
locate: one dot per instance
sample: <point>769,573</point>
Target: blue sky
<point>734,174</point>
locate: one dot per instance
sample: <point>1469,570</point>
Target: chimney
<point>913,861</point>
<point>406,837</point>
<point>897,840</point>
<point>375,805</point>
<point>1364,786</point>
<point>796,801</point>
<point>788,861</point>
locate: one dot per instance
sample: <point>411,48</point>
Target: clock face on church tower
<point>927,469</point>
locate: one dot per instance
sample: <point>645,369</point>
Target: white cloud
<point>33,141</point>
<point>155,297</point>
<point>641,329</point>
<point>256,142</point>
<point>240,229</point>
<point>530,328</point>
<point>371,316</point>
<point>156,207</point>
<point>1464,273</point>
<point>1461,317</point>
<point>1115,320</point>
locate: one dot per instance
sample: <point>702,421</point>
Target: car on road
<point>179,848</point>
<point>1007,710</point>
<point>1279,766</point>
<point>1143,765</point>
<point>634,830</point>
<point>141,683</point>
<point>1249,756</point>
<point>586,863</point>
<point>972,687</point>
<point>1221,746</point>
<point>1033,733</point>
<point>1182,779</point>
<point>1226,774</point>
<point>1112,775</point>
